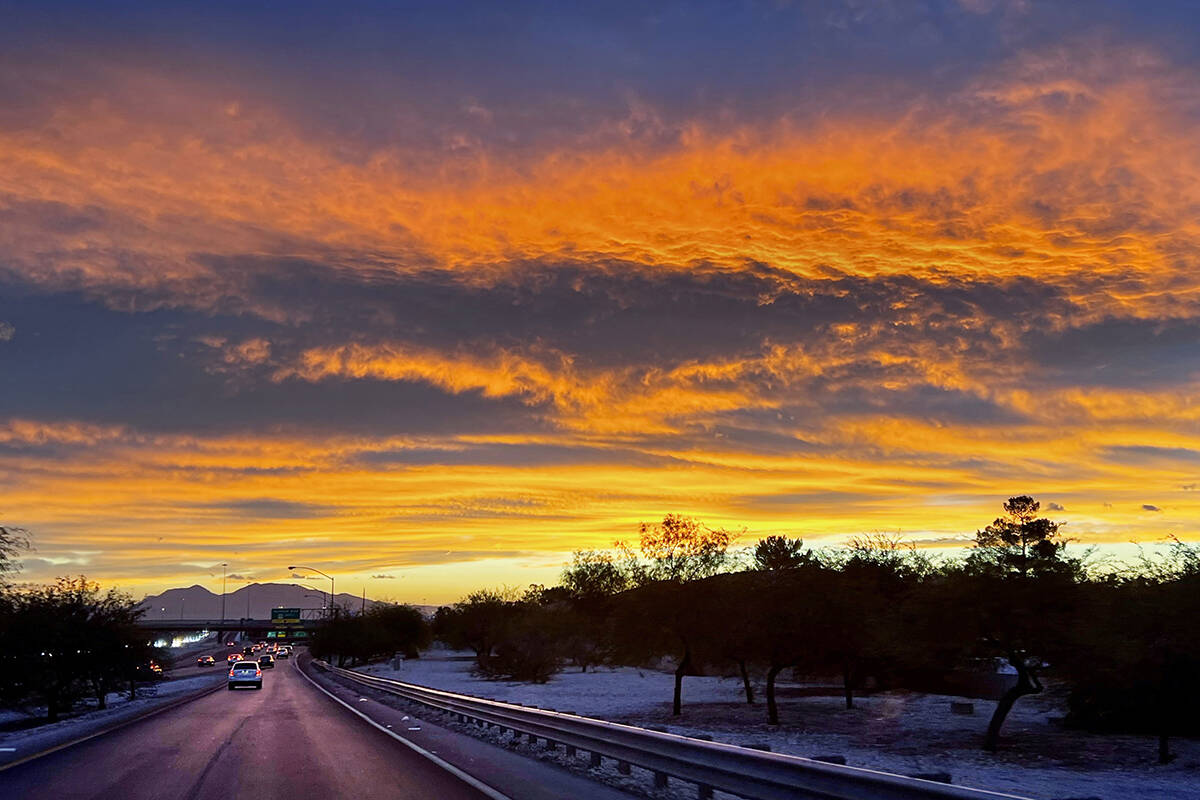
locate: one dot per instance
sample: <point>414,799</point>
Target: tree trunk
<point>746,681</point>
<point>685,664</point>
<point>772,706</point>
<point>1027,683</point>
<point>847,688</point>
<point>1164,748</point>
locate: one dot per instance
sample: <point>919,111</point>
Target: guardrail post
<point>660,780</point>
<point>533,738</point>
<point>570,751</point>
<point>595,760</point>
<point>551,745</point>
<point>623,767</point>
<point>704,792</point>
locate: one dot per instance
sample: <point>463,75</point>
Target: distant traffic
<point>244,670</point>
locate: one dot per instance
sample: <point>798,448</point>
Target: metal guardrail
<point>710,765</point>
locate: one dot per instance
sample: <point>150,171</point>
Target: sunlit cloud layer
<point>455,327</point>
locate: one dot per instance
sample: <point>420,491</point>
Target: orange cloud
<point>1059,167</point>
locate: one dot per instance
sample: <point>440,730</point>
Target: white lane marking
<point>8,749</point>
<point>470,780</point>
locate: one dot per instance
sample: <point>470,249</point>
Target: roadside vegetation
<point>66,641</point>
<point>350,639</point>
<point>877,614</point>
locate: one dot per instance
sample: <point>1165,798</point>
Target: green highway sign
<point>285,615</point>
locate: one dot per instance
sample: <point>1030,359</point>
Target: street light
<point>332,596</point>
<point>223,566</point>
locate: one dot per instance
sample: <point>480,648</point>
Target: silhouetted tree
<point>1019,586</point>
<point>1020,543</point>
<point>780,552</point>
<point>66,640</point>
<point>1135,654</point>
<point>789,623</point>
<point>675,552</point>
<point>381,631</point>
<point>678,549</point>
<point>861,613</point>
<point>478,622</point>
<point>593,574</point>
<point>592,580</point>
<point>531,645</point>
<point>13,541</point>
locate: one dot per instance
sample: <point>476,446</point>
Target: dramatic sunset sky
<point>440,294</point>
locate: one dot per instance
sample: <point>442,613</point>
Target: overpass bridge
<point>182,625</point>
<point>284,624</point>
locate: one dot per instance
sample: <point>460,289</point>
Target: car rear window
<point>245,665</point>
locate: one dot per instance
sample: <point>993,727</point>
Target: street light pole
<point>332,594</point>
<point>223,566</point>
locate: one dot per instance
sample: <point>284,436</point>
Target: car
<point>231,643</point>
<point>233,658</point>
<point>245,673</point>
<point>284,652</point>
<point>266,661</point>
<point>150,671</point>
<point>205,661</point>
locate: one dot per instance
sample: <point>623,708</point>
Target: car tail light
<point>231,673</point>
<point>258,673</point>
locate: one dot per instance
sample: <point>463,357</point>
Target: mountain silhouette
<point>254,601</point>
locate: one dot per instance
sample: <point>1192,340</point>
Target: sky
<point>428,296</point>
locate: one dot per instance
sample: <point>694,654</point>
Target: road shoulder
<point>506,771</point>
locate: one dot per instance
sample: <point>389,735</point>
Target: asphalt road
<point>286,740</point>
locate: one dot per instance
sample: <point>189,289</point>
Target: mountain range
<point>253,601</point>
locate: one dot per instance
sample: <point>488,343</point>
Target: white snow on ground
<point>901,732</point>
<point>32,740</point>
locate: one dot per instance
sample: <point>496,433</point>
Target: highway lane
<point>285,741</point>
